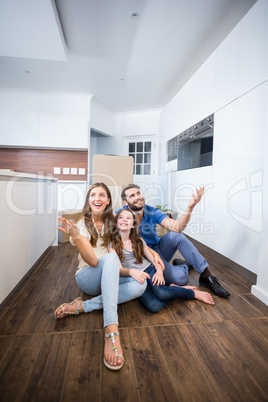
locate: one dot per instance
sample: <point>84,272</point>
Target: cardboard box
<point>112,170</point>
<point>116,172</point>
<point>70,214</point>
<point>162,231</point>
<point>116,197</point>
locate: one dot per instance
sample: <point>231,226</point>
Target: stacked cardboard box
<point>116,172</point>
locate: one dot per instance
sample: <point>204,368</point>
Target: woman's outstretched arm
<point>83,245</point>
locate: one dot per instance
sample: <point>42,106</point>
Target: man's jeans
<point>166,248</point>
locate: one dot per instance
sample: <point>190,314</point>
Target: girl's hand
<point>158,262</point>
<point>69,227</point>
<point>158,278</point>
<point>139,276</point>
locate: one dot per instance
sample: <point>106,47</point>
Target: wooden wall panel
<point>43,161</point>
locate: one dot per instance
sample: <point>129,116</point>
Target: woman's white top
<point>98,250</point>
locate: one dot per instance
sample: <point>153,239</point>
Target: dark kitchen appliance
<point>193,148</point>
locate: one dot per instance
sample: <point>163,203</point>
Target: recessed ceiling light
<point>135,15</point>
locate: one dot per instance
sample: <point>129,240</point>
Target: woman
<point>98,271</point>
<point>137,261</point>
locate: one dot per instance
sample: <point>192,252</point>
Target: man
<point>166,246</point>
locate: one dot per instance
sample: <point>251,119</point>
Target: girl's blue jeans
<point>156,297</point>
<point>103,281</point>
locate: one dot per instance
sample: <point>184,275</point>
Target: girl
<point>137,261</point>
<point>98,271</point>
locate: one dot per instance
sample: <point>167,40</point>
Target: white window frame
<point>142,138</point>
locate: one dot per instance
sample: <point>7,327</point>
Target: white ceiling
<point>96,47</point>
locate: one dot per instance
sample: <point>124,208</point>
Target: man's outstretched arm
<point>180,224</point>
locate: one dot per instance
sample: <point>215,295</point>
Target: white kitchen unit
<point>44,120</point>
<point>28,205</point>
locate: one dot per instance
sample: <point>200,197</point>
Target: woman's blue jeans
<point>156,297</point>
<point>103,282</point>
<point>166,248</point>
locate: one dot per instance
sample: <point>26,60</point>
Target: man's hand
<point>196,197</point>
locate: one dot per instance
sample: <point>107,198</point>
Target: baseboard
<point>260,294</point>
<point>244,272</point>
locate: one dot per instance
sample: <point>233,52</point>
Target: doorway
<point>99,143</point>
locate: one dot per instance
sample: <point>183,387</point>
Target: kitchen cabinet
<point>28,205</point>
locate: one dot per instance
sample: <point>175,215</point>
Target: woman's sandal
<point>65,313</point>
<point>108,365</point>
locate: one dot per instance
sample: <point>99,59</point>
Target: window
<point>141,152</point>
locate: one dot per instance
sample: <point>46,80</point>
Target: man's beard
<point>133,207</point>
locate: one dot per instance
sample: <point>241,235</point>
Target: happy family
<point>122,258</point>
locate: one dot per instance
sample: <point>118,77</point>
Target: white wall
<point>232,83</point>
<point>144,123</point>
<point>102,119</point>
<point>260,290</point>
<point>135,123</point>
<point>44,119</point>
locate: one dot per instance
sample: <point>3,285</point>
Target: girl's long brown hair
<point>107,218</point>
<point>134,236</point>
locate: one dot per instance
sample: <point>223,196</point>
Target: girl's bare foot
<point>204,297</point>
<point>112,340</point>
<point>185,287</point>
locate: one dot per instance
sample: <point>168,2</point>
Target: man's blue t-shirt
<point>152,216</point>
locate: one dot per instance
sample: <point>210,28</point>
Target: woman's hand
<point>139,276</point>
<point>82,243</point>
<point>69,227</point>
<point>158,278</point>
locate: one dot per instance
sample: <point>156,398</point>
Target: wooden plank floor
<point>188,352</point>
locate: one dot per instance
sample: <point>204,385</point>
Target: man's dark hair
<point>123,192</point>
